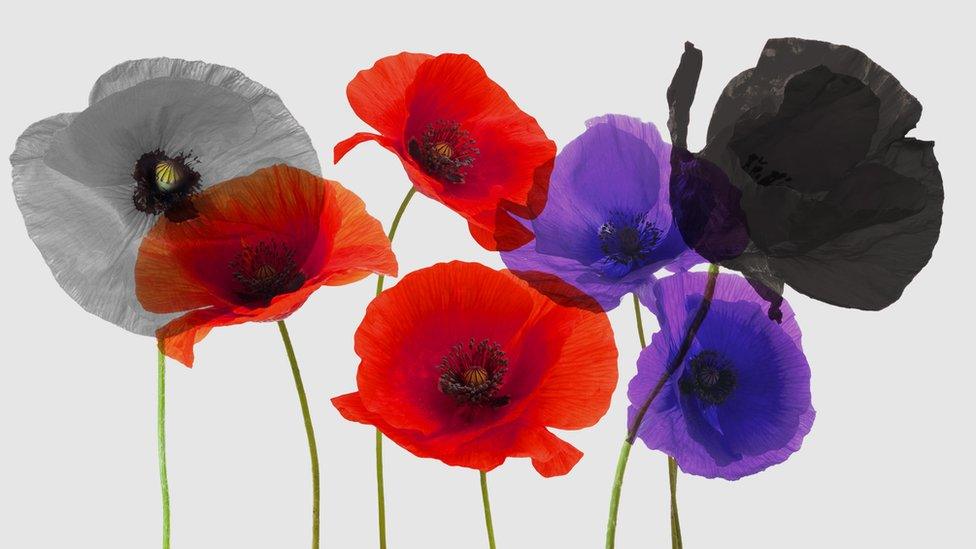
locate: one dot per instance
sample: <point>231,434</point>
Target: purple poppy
<point>740,400</point>
<point>607,226</point>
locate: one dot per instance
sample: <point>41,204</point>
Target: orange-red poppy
<point>461,139</point>
<point>471,366</point>
<point>255,249</point>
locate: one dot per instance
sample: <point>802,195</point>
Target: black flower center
<point>444,151</point>
<point>711,377</point>
<point>471,373</point>
<point>264,271</point>
<point>759,170</point>
<point>163,181</point>
<point>628,239</point>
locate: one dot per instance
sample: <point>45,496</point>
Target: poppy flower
<point>838,202</point>
<point>461,139</point>
<point>156,132</point>
<point>740,400</point>
<point>607,226</point>
<point>471,366</point>
<point>257,248</point>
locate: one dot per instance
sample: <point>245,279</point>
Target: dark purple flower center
<point>759,170</point>
<point>627,241</point>
<point>163,181</point>
<point>264,271</point>
<point>472,373</point>
<point>444,151</point>
<point>710,376</point>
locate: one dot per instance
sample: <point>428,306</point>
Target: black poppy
<point>836,201</point>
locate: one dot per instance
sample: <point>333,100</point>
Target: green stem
<point>393,229</point>
<point>693,327</point>
<point>484,500</point>
<point>672,464</point>
<point>675,524</point>
<point>161,439</point>
<point>618,483</point>
<point>309,432</point>
<point>380,494</point>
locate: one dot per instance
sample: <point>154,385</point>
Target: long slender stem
<point>672,464</point>
<point>675,524</point>
<point>309,432</point>
<point>618,483</point>
<point>380,493</point>
<point>484,501</point>
<point>393,229</point>
<point>161,439</point>
<point>696,322</point>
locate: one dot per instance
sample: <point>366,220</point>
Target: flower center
<point>711,377</point>
<point>265,271</point>
<point>444,151</point>
<point>472,373</point>
<point>627,240</point>
<point>758,169</point>
<point>163,181</point>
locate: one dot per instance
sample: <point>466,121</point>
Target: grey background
<point>889,461</point>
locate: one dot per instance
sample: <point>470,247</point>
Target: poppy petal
<point>379,95</point>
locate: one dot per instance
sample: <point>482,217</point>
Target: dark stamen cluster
<point>265,271</point>
<point>710,376</point>
<point>758,169</point>
<point>444,151</point>
<point>163,182</point>
<point>628,239</point>
<point>472,373</point>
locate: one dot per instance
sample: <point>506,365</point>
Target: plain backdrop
<point>889,460</point>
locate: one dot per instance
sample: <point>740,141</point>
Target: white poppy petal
<point>89,247</point>
<point>73,173</point>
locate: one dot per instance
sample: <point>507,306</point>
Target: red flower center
<point>265,271</point>
<point>444,151</point>
<point>472,373</point>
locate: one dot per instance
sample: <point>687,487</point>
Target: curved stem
<point>672,464</point>
<point>309,432</point>
<point>484,501</point>
<point>380,495</point>
<point>693,327</point>
<point>393,229</point>
<point>161,439</point>
<point>618,483</point>
<point>675,524</point>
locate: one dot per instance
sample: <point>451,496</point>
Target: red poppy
<point>461,139</point>
<point>471,366</point>
<point>255,249</point>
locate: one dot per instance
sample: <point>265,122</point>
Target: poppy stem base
<point>309,432</point>
<point>161,439</point>
<point>675,524</point>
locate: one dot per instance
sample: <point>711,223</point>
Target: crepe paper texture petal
<point>608,225</point>
<point>156,132</point>
<point>460,138</point>
<point>472,366</point>
<point>254,250</point>
<point>740,401</point>
<point>839,203</point>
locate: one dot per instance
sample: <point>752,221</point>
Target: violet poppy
<point>471,366</point>
<point>839,203</point>
<point>607,226</point>
<point>461,139</point>
<point>156,132</point>
<point>739,401</point>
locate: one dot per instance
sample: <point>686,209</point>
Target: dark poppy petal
<point>837,202</point>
